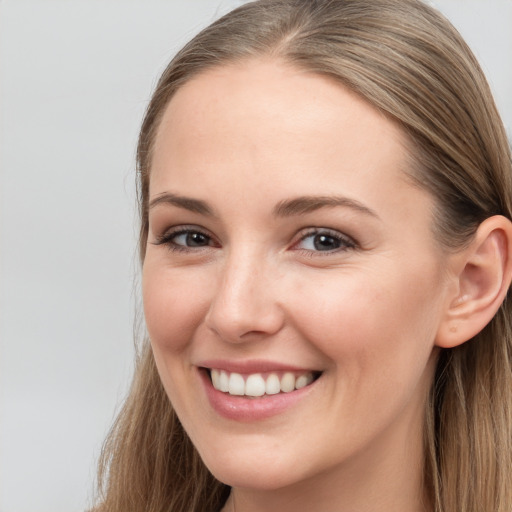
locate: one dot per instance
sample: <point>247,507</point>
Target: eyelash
<point>168,239</point>
<point>345,242</point>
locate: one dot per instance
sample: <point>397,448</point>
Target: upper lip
<point>251,366</point>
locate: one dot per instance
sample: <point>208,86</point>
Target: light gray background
<point>75,78</point>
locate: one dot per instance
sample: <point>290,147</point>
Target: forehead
<point>265,97</point>
<point>265,121</point>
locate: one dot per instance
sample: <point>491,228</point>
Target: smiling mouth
<point>260,384</point>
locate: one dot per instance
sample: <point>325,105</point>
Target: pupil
<point>325,243</point>
<point>196,240</point>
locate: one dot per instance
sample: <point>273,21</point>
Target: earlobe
<point>483,278</point>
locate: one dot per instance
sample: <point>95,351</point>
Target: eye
<point>185,239</point>
<point>191,239</point>
<point>324,240</point>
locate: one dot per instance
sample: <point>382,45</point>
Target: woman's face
<point>287,248</point>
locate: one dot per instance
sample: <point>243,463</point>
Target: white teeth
<point>303,381</point>
<point>288,382</point>
<point>256,385</point>
<point>272,386</point>
<point>215,374</point>
<point>223,382</point>
<point>236,384</point>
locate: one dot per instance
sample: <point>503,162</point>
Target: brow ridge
<point>187,203</point>
<point>286,208</point>
<point>307,204</point>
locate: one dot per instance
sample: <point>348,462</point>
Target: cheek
<point>366,322</point>
<point>378,342</point>
<point>174,306</point>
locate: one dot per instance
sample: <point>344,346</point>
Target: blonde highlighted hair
<point>406,60</point>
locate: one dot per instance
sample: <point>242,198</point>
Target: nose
<point>245,304</point>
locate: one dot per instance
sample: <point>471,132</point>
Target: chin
<point>255,477</point>
<point>254,472</point>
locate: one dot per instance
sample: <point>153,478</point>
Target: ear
<point>483,273</point>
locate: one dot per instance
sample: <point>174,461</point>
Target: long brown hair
<point>405,59</point>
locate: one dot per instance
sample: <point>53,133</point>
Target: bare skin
<point>354,290</point>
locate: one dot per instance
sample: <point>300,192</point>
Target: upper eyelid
<point>319,229</point>
<point>335,233</point>
<point>302,234</point>
<point>179,230</point>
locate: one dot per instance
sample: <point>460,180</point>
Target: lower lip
<point>245,409</point>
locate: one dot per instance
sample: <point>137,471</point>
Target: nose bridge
<point>244,302</point>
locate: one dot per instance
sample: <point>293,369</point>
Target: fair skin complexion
<point>247,273</point>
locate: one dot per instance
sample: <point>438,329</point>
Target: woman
<point>325,199</point>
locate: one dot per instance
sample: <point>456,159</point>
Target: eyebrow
<point>187,203</point>
<point>286,208</point>
<point>307,204</point>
